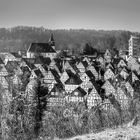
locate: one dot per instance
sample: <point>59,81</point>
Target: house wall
<point>70,88</point>
<point>108,74</point>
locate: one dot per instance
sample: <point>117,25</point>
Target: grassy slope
<point>122,133</point>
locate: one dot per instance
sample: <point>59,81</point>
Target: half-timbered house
<point>109,88</point>
<point>109,74</point>
<point>93,97</point>
<point>72,83</point>
<point>77,95</point>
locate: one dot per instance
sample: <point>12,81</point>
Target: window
<point>76,93</point>
<point>56,93</point>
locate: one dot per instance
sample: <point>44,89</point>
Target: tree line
<point>19,38</point>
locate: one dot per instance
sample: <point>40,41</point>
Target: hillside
<point>122,133</point>
<point>20,37</point>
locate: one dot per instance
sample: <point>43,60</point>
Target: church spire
<point>51,41</point>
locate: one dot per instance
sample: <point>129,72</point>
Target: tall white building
<point>134,46</point>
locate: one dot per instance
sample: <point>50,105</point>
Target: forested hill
<point>20,37</point>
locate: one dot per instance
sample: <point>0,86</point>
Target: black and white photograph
<point>69,69</point>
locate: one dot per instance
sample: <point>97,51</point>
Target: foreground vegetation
<point>27,117</point>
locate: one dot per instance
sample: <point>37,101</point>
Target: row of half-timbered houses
<point>74,79</point>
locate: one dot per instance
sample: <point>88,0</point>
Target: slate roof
<point>1,62</point>
<point>30,65</point>
<point>70,73</point>
<point>129,78</point>
<point>30,60</point>
<point>41,48</point>
<point>57,60</point>
<point>47,60</point>
<point>111,65</point>
<point>74,80</point>
<point>85,64</point>
<point>72,64</point>
<point>116,61</point>
<point>55,73</point>
<point>96,67</point>
<point>113,70</point>
<point>81,92</point>
<point>15,54</point>
<point>59,67</point>
<point>95,85</point>
<point>58,87</point>
<point>45,67</point>
<point>39,60</point>
<point>102,71</point>
<point>38,73</point>
<point>119,78</point>
<point>90,75</point>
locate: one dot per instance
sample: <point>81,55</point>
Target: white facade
<point>131,45</point>
<point>33,55</point>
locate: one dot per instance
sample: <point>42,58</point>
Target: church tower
<point>51,41</point>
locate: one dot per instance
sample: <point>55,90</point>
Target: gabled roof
<point>126,69</point>
<point>58,80</point>
<point>39,60</point>
<point>81,92</point>
<point>1,62</point>
<point>74,80</point>
<point>116,60</point>
<point>113,70</point>
<point>135,72</point>
<point>47,60</point>
<point>30,65</point>
<point>38,73</point>
<point>84,63</point>
<point>45,67</point>
<point>96,67</point>
<point>15,54</point>
<point>54,72</point>
<point>95,85</point>
<point>57,60</point>
<point>69,72</point>
<point>102,71</point>
<point>30,60</point>
<point>84,58</point>
<point>90,75</point>
<point>130,77</point>
<point>107,52</point>
<point>110,65</point>
<point>59,67</point>
<point>108,82</point>
<point>72,64</point>
<point>118,78</point>
<point>58,87</point>
<point>41,48</point>
<point>100,54</point>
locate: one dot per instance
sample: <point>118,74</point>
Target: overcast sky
<point>66,14</point>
